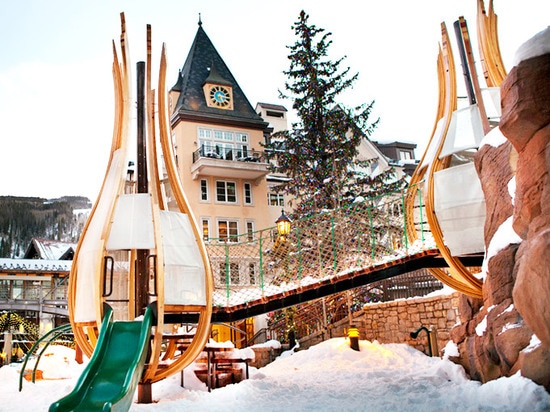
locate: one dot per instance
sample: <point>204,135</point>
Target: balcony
<point>229,163</point>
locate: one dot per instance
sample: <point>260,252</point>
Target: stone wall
<point>264,356</point>
<point>392,322</point>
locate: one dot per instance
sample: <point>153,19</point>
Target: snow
<point>533,344</point>
<point>326,377</point>
<point>494,138</point>
<point>512,189</point>
<point>504,236</point>
<point>537,45</point>
<point>481,327</point>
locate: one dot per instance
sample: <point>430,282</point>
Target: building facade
<point>218,138</point>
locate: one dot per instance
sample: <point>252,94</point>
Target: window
<point>205,229</point>
<point>226,192</point>
<point>250,231</point>
<point>205,133</point>
<point>228,230</point>
<point>274,114</point>
<point>247,194</point>
<point>405,155</point>
<point>223,144</point>
<point>276,199</point>
<point>4,289</point>
<point>233,270</point>
<point>241,137</point>
<point>252,274</point>
<point>175,146</point>
<point>204,190</point>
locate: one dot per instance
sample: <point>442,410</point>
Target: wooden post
<point>145,393</point>
<point>142,272</point>
<point>7,347</point>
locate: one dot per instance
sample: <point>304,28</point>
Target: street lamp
<point>283,224</point>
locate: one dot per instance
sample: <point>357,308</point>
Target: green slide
<point>111,377</point>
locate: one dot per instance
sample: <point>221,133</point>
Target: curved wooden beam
<point>205,312</point>
<point>86,332</point>
<point>459,277</point>
<point>489,49</point>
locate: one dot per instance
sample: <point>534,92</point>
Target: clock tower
<point>217,91</point>
<point>218,140</point>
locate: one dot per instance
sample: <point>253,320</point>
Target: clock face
<point>220,96</point>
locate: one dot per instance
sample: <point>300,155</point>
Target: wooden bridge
<point>262,271</point>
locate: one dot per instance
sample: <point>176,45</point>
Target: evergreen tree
<point>318,153</point>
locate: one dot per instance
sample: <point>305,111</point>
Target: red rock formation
<point>516,290</point>
<point>525,121</point>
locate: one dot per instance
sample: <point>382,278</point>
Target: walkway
<point>259,272</point>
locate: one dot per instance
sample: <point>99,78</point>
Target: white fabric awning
<point>460,208</point>
<point>132,226</point>
<point>465,131</point>
<point>184,273</point>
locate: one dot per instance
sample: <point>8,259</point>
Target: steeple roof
<point>203,64</point>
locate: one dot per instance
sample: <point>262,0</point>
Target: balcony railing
<point>231,154</point>
<point>230,163</point>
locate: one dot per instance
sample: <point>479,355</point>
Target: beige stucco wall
<point>263,215</point>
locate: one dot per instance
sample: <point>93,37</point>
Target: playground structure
<point>326,253</point>
<point>455,204</point>
<point>140,249</point>
<point>115,368</point>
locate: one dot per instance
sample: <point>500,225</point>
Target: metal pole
<point>261,263</point>
<point>421,217</point>
<point>404,222</point>
<point>464,60</point>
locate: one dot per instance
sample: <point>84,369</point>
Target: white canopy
<point>460,208</point>
<point>184,274</point>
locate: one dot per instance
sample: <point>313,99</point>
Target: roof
<point>270,106</point>
<point>49,250</point>
<point>37,266</point>
<point>403,145</point>
<point>204,62</point>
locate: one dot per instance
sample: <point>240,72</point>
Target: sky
<point>56,93</point>
<point>326,377</point>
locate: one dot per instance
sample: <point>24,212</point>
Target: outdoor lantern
<point>283,224</point>
<point>353,335</point>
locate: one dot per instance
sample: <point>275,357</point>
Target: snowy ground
<point>327,377</point>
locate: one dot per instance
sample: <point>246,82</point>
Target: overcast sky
<point>56,98</point>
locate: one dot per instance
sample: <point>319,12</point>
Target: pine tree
<point>319,150</point>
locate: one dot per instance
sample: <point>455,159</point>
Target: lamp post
<point>414,335</point>
<point>283,225</point>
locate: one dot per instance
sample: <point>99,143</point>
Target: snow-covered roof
<point>50,249</point>
<point>35,265</point>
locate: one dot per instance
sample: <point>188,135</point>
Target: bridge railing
<point>257,265</point>
<point>261,264</point>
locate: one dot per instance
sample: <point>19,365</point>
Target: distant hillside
<point>22,218</point>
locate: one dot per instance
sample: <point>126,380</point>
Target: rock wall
<point>392,322</point>
<point>509,330</point>
<point>264,356</point>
